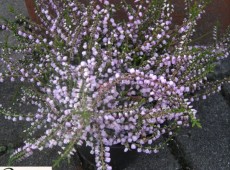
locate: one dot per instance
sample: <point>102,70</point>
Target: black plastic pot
<point>119,159</point>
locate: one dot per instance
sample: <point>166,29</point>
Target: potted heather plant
<point>98,80</point>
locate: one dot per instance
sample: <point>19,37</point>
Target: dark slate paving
<point>209,148</point>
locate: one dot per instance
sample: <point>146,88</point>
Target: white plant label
<point>25,168</point>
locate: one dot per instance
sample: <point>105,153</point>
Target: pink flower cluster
<point>100,80</point>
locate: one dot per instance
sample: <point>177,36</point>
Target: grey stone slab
<point>11,132</point>
<point>19,8</point>
<point>226,92</point>
<point>222,70</point>
<point>12,136</point>
<point>18,5</point>
<point>209,148</point>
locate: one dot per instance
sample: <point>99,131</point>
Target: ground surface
<point>199,149</point>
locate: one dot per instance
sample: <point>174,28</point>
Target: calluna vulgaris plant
<point>99,80</point>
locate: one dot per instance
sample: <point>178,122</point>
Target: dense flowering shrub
<point>100,80</point>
